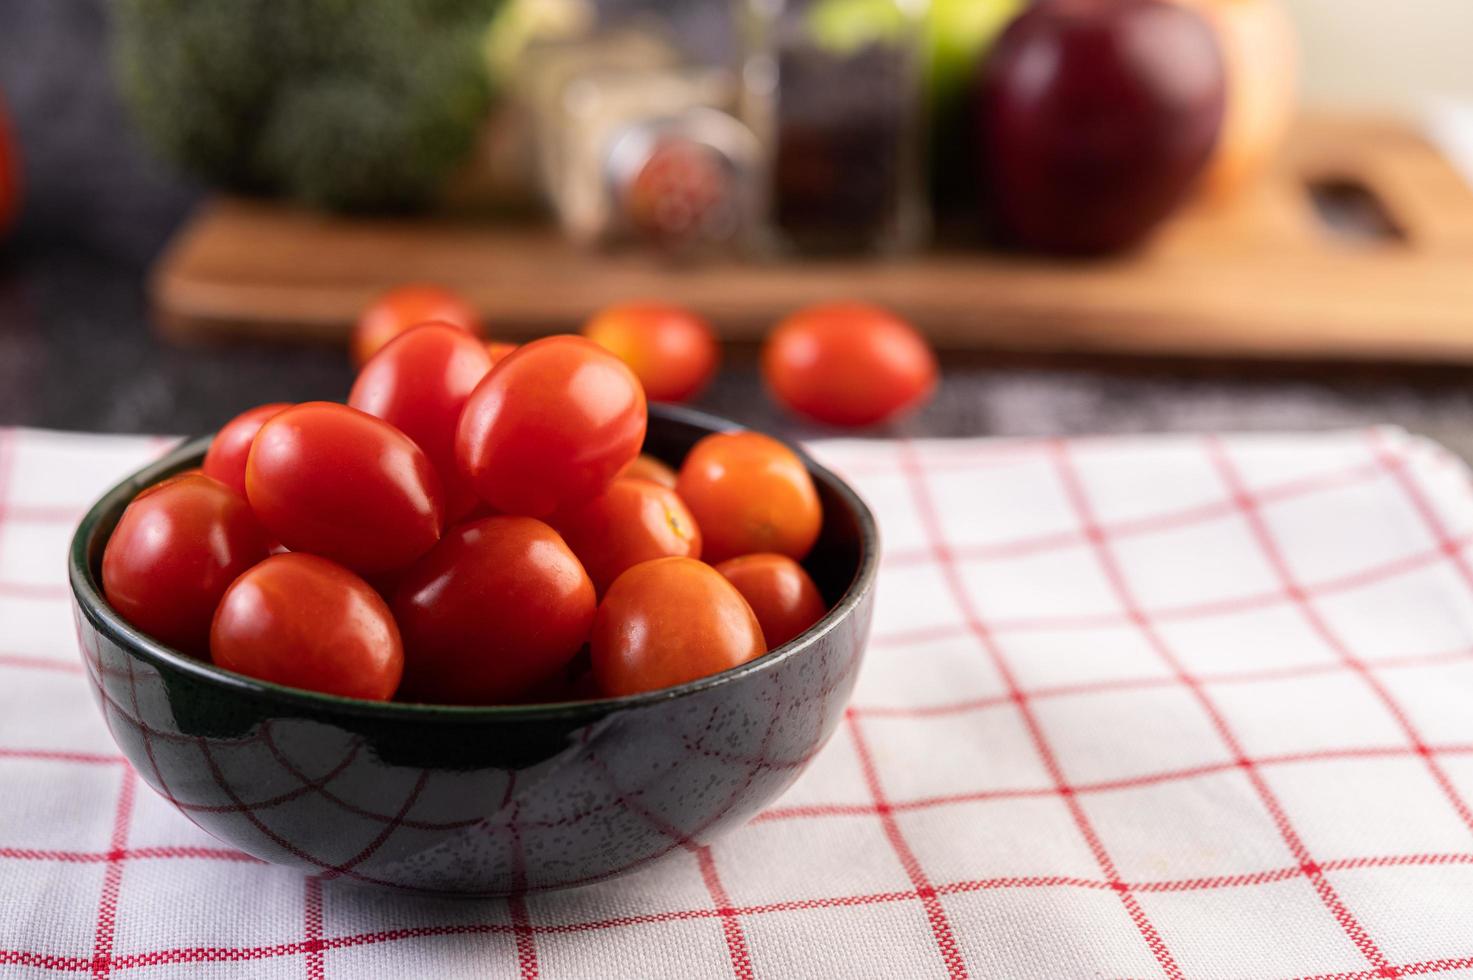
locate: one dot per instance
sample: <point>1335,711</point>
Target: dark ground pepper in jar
<point>837,99</point>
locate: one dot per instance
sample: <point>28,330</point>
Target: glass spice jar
<point>650,155</point>
<point>834,90</point>
<point>549,69</point>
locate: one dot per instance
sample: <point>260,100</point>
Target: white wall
<point>1385,54</point>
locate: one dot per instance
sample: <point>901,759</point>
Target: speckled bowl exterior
<point>477,801</point>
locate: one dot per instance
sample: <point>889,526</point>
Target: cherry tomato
<point>337,482</point>
<point>306,622</point>
<point>749,493</point>
<point>783,597</point>
<point>553,424</point>
<point>848,364</point>
<point>669,621</point>
<point>630,522</point>
<point>498,350</point>
<point>496,609</point>
<point>406,307</point>
<point>419,383</point>
<point>648,468</point>
<point>226,459</point>
<point>177,548</point>
<point>672,351</point>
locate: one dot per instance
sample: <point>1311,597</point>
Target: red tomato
<point>552,425</point>
<point>783,597</point>
<point>648,468</point>
<point>419,383</point>
<point>10,186</point>
<point>498,350</point>
<point>848,364</point>
<point>306,622</point>
<point>669,621</point>
<point>177,548</point>
<point>401,309</point>
<point>496,609</point>
<point>336,482</point>
<point>749,493</point>
<point>672,351</point>
<point>630,522</point>
<point>226,460</point>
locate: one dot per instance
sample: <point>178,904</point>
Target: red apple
<point>9,174</point>
<point>1096,118</point>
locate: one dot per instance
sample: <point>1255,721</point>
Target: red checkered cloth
<point>1133,707</point>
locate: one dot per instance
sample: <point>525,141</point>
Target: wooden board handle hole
<point>1352,212</point>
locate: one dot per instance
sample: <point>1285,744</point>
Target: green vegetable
<point>348,104</point>
<point>845,26</point>
<point>959,38</point>
<point>959,34</point>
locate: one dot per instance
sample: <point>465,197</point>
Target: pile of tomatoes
<point>477,524</point>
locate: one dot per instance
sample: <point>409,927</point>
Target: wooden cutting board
<point>1260,276</point>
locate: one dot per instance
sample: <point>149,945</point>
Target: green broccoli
<point>347,104</point>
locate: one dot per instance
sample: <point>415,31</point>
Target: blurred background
<point>1108,215</point>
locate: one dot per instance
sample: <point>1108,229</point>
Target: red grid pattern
<point>948,655</point>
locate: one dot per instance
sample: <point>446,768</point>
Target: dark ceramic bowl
<point>484,801</point>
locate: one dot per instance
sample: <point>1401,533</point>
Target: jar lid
<point>684,181</point>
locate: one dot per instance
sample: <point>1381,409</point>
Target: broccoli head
<point>347,104</point>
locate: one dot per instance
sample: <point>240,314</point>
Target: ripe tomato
<point>498,350</point>
<point>749,493</point>
<point>339,483</point>
<point>630,522</point>
<point>419,383</point>
<point>306,622</point>
<point>553,424</point>
<point>177,548</point>
<point>648,468</point>
<point>669,621</point>
<point>672,351</point>
<point>226,459</point>
<point>848,364</point>
<point>496,609</point>
<point>783,597</point>
<point>400,309</point>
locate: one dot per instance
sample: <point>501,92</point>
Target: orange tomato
<point>848,364</point>
<point>632,521</point>
<point>749,493</point>
<point>780,592</point>
<point>648,468</point>
<point>406,307</point>
<point>672,351</point>
<point>498,350</point>
<point>667,622</point>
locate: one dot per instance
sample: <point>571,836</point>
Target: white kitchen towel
<point>1133,707</point>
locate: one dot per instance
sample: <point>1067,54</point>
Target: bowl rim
<point>89,600</point>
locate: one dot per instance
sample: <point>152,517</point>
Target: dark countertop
<point>77,352</point>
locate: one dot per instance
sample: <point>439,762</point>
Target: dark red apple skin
<point>1096,117</point>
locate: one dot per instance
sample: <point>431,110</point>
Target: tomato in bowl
<point>476,800</point>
